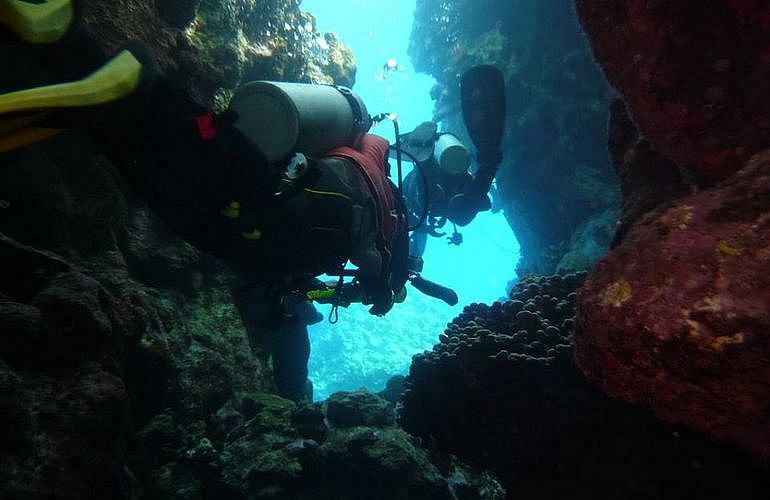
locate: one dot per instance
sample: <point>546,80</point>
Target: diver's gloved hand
<point>378,294</point>
<point>463,208</point>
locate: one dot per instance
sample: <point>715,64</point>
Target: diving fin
<point>38,113</point>
<point>434,290</point>
<point>482,90</point>
<point>37,22</point>
<point>116,79</point>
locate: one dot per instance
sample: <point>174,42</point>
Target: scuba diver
<point>442,171</point>
<point>389,69</point>
<point>285,185</point>
<point>441,188</point>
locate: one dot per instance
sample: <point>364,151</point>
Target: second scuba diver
<point>284,186</point>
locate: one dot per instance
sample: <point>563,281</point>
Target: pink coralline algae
<point>678,315</point>
<point>693,74</point>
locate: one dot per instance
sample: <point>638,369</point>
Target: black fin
<point>483,101</point>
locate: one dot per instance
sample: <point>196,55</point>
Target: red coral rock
<point>678,315</point>
<point>694,75</point>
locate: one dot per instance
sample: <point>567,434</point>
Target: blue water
<point>362,350</point>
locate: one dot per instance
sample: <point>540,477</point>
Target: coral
<point>676,316</point>
<point>693,75</point>
<point>348,409</point>
<point>63,400</point>
<point>178,13</point>
<point>209,47</point>
<point>555,176</point>
<point>266,453</point>
<point>501,391</point>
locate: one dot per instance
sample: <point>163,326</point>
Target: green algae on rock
<point>225,43</point>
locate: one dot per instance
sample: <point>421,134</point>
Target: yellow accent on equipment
<point>37,22</point>
<point>116,79</point>
<point>320,294</point>
<point>26,137</point>
<point>233,210</point>
<point>327,193</point>
<point>253,235</point>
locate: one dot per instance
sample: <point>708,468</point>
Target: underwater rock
<point>178,13</point>
<point>694,76</point>
<point>208,48</point>
<point>109,323</point>
<point>394,387</point>
<point>678,315</point>
<point>64,405</point>
<point>501,391</point>
<point>647,179</point>
<point>349,409</point>
<point>310,422</point>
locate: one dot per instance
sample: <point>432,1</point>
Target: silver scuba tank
<point>281,118</point>
<point>451,156</point>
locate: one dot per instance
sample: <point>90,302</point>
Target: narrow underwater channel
<point>362,350</point>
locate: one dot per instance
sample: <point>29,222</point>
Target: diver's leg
<point>291,354</point>
<point>284,336</point>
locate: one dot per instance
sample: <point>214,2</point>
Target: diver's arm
<point>463,207</point>
<point>482,181</point>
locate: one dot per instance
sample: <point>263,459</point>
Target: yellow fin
<point>116,79</point>
<point>253,235</point>
<point>37,22</point>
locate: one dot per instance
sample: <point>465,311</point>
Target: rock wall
<point>677,316</point>
<point>108,319</point>
<point>211,46</point>
<point>558,190</point>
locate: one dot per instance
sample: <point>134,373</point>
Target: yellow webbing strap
<point>116,79</point>
<point>37,22</point>
<point>26,137</point>
<point>320,294</point>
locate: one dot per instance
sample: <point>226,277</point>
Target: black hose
<point>398,158</point>
<point>399,152</point>
<point>426,192</point>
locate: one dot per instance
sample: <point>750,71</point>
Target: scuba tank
<point>282,118</point>
<point>451,156</point>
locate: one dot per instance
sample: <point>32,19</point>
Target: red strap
<point>206,128</point>
<point>370,158</point>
